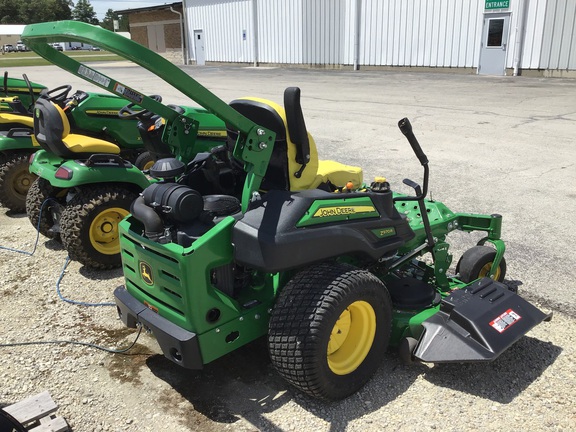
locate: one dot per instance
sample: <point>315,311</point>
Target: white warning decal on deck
<point>504,321</point>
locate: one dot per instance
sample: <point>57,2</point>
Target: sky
<point>101,6</point>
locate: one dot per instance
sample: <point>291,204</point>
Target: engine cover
<point>282,233</point>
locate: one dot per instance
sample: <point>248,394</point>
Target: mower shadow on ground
<point>503,379</point>
<point>245,384</point>
<point>52,245</point>
<point>95,274</point>
<point>12,214</point>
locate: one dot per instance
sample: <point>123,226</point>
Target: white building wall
<point>324,31</point>
<point>434,33</point>
<point>428,33</point>
<point>533,31</point>
<point>280,31</point>
<point>224,23</point>
<point>559,38</point>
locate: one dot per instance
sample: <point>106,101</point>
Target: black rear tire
<point>330,329</point>
<point>15,180</point>
<point>44,218</point>
<point>89,225</point>
<point>476,262</point>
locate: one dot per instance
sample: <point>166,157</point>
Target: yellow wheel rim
<point>351,338</point>
<point>486,270</point>
<point>104,230</point>
<point>148,165</point>
<point>22,181</point>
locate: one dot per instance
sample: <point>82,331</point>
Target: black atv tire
<point>330,329</point>
<point>41,217</point>
<point>144,161</point>
<point>89,225</point>
<point>476,262</point>
<point>15,180</point>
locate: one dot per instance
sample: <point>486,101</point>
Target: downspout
<point>356,52</point>
<point>181,33</point>
<point>519,45</point>
<point>255,31</point>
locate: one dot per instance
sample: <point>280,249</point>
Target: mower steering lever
<point>406,128</point>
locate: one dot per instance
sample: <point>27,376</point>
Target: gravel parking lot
<point>496,145</point>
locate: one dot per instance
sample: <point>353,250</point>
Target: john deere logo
<point>146,273</point>
<point>342,211</point>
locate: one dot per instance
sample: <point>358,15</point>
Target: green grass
<point>30,58</point>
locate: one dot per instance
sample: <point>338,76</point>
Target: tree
<point>10,11</point>
<point>108,21</point>
<point>33,11</point>
<point>63,9</point>
<point>84,12</point>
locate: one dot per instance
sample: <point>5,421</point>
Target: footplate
<point>476,323</point>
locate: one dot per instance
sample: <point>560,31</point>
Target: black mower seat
<point>294,164</point>
<point>52,130</point>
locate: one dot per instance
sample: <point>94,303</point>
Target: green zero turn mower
<point>332,271</point>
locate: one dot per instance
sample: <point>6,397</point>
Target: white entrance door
<point>494,44</point>
<point>199,47</point>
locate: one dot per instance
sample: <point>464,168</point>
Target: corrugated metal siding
<point>559,38</point>
<point>443,33</point>
<point>223,23</point>
<point>323,31</point>
<point>280,31</point>
<point>533,30</point>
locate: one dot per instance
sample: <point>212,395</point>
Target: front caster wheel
<point>89,226</point>
<point>476,263</point>
<point>329,330</point>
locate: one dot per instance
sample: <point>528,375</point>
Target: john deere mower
<point>85,182</point>
<point>330,270</point>
<point>18,95</point>
<point>16,141</point>
<point>89,114</point>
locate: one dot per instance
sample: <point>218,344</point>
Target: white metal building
<point>484,36</point>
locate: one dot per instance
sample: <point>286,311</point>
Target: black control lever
<point>421,193</point>
<point>413,185</point>
<point>406,129</point>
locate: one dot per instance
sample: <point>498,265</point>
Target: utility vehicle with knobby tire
<point>16,142</point>
<point>86,184</point>
<point>88,113</point>
<point>330,270</point>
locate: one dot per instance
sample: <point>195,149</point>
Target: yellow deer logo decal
<point>146,273</point>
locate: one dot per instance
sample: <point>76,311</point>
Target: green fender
<point>46,165</point>
<point>17,143</point>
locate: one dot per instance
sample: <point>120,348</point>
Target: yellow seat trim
<point>85,144</point>
<point>339,174</point>
<point>24,120</point>
<point>65,121</point>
